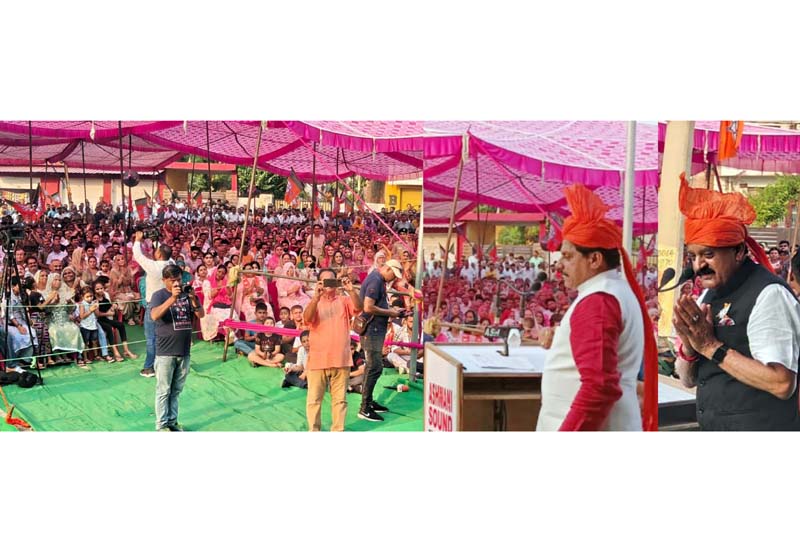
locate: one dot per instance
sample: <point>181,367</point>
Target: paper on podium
<point>487,359</point>
<point>668,394</point>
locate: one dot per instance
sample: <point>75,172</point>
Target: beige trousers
<point>318,382</point>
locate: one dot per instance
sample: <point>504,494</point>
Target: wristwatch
<point>720,354</point>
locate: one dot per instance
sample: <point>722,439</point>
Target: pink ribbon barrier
<point>249,326</point>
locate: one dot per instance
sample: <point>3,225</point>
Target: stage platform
<point>230,396</point>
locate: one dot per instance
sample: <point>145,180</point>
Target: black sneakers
<point>370,416</point>
<point>378,408</point>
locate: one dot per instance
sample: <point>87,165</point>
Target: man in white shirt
<point>56,254</point>
<point>740,341</point>
<point>153,282</point>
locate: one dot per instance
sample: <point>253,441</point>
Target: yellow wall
<point>404,192</point>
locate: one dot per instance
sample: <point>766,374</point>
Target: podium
<point>676,406</point>
<point>473,387</point>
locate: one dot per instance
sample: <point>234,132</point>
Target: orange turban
<point>715,219</point>
<point>588,227</point>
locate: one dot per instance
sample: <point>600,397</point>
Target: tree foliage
<point>518,235</point>
<point>266,182</point>
<point>771,202</point>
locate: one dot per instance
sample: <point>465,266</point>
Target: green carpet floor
<point>230,396</point>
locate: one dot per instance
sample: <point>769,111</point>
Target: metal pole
<point>630,167</point>
<point>244,236</point>
<point>210,199</point>
<point>121,176</point>
<point>412,376</point>
<point>30,159</point>
<point>449,237</point>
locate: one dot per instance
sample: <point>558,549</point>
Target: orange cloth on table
<point>588,226</point>
<point>329,335</point>
<point>715,219</point>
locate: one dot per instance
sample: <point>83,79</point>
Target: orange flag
<point>730,135</point>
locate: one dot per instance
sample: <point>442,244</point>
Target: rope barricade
<point>249,326</point>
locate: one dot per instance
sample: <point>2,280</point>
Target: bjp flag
<point>730,136</point>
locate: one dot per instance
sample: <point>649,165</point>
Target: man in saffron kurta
<point>329,359</point>
<point>589,380</point>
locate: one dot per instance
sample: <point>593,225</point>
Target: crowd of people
<point>84,277</point>
<point>525,293</point>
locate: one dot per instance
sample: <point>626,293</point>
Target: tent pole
<point>85,199</point>
<point>244,237</point>
<point>30,158</point>
<point>449,237</point>
<point>121,176</point>
<point>630,167</point>
<point>418,305</point>
<point>210,199</point>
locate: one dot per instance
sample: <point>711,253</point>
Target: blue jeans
<point>171,372</point>
<point>245,347</point>
<point>373,350</point>
<point>150,336</point>
<point>102,340</point>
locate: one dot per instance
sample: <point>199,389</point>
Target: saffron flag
<point>730,136</point>
<point>40,206</point>
<point>293,188</point>
<point>336,205</point>
<point>551,241</point>
<point>28,214</point>
<point>141,207</point>
<point>198,199</point>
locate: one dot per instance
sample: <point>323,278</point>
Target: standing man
<point>589,379</point>
<point>172,312</point>
<point>376,305</point>
<point>153,282</point>
<point>328,316</point>
<point>315,243</point>
<point>740,341</point>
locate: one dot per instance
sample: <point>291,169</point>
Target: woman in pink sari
<point>290,292</point>
<point>218,299</point>
<point>251,291</point>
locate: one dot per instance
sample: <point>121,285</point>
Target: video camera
<point>148,232</point>
<point>10,233</point>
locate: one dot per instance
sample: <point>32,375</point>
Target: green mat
<point>230,396</point>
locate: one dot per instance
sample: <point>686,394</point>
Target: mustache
<point>706,271</point>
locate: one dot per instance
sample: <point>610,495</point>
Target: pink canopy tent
<point>524,165</point>
<point>54,142</point>
<point>384,150</point>
<point>764,149</point>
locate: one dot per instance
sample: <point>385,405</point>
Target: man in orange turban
<point>740,341</point>
<point>590,376</point>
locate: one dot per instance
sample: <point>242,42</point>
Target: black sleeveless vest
<point>724,403</point>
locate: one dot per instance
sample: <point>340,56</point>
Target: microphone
<point>686,275</point>
<point>666,278</point>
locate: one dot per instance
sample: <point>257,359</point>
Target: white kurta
<point>561,379</point>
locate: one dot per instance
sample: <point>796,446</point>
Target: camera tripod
<point>10,272</point>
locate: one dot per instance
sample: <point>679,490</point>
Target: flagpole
<point>244,237</point>
<point>449,237</point>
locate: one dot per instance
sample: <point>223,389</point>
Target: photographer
<point>153,282</point>
<point>373,295</point>
<point>328,316</point>
<point>171,312</point>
